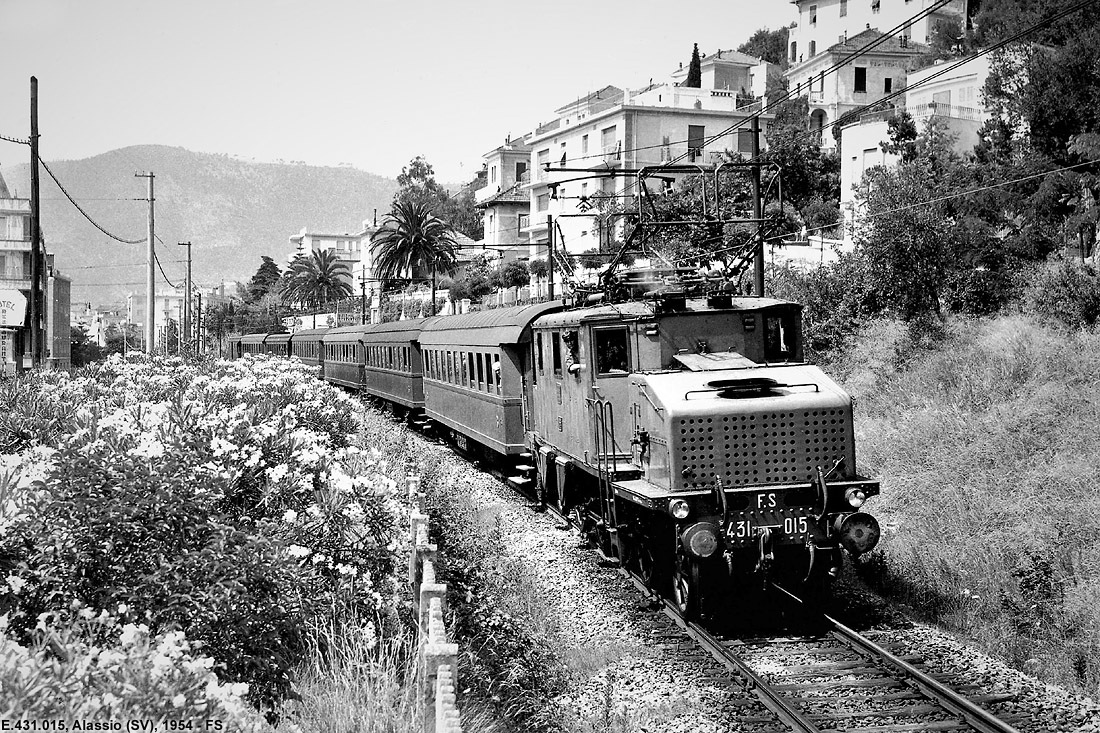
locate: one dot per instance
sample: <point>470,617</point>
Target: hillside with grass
<point>985,441</point>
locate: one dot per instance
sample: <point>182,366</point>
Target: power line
<point>82,211</point>
<point>863,50</point>
<point>15,140</point>
<point>161,268</point>
<point>956,195</point>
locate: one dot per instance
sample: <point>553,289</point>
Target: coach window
<point>490,378</point>
<point>555,341</point>
<point>496,371</point>
<point>611,351</point>
<point>481,371</point>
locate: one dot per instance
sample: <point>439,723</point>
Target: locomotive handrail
<point>751,388</point>
<point>642,389</point>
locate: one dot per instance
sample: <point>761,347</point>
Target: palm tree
<point>318,278</point>
<point>411,235</point>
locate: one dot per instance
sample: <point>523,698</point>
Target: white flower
<point>346,570</point>
<point>178,701</point>
<point>16,583</point>
<point>290,516</point>
<point>131,633</point>
<point>123,608</point>
<point>298,551</point>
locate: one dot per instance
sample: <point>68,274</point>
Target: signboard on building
<point>13,308</point>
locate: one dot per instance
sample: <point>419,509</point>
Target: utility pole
<point>186,335</point>
<point>150,281</point>
<point>36,239</point>
<point>550,271</point>
<point>198,324</point>
<point>757,213</point>
<point>363,298</point>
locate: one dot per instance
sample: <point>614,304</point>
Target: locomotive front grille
<point>767,448</point>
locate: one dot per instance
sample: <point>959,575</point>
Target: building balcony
<point>15,245</point>
<point>921,111</point>
<point>612,154</point>
<point>14,279</point>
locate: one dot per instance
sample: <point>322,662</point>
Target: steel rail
<point>974,715</point>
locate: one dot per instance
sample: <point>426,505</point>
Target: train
<point>680,430</point>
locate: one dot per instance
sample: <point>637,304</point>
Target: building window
<point>493,174</point>
<point>521,168</point>
<point>563,158</point>
<point>875,5</point>
<point>888,85</point>
<point>843,8</point>
<point>584,144</point>
<point>26,228</point>
<point>861,79</point>
<point>813,48</point>
<point>542,203</point>
<point>794,51</point>
<point>522,222</point>
<point>813,18</point>
<point>696,135</point>
<point>744,141</point>
<point>543,160</point>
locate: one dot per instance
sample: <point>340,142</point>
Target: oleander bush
<point>226,501</point>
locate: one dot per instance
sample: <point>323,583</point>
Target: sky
<point>371,83</point>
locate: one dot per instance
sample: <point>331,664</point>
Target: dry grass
<point>988,453</point>
<point>352,682</point>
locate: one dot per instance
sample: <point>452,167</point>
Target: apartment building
<point>352,249</point>
<point>504,201</point>
<point>594,141</point>
<point>823,23</point>
<point>872,77</point>
<point>15,278</point>
<point>947,90</point>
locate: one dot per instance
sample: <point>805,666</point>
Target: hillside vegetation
<point>987,450</point>
<point>233,211</point>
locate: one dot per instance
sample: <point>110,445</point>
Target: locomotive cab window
<point>611,351</point>
<point>555,340</point>
<point>779,336</point>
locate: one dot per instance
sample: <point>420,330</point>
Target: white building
<point>823,23</point>
<point>952,97</point>
<point>613,129</point>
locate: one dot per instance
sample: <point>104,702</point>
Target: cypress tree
<point>695,70</point>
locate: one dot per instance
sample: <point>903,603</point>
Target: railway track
<point>840,680</point>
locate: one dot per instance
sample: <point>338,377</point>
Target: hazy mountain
<point>232,211</point>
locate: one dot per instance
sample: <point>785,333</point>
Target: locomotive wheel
<point>687,589</point>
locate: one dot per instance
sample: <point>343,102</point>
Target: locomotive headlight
<point>679,508</point>
<point>856,497</point>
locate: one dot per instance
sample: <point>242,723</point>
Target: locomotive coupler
<point>766,543</point>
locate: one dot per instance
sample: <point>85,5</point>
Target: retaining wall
<point>438,656</point>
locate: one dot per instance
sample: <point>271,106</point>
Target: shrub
<point>1068,292</point>
<point>98,669</point>
<point>232,509</point>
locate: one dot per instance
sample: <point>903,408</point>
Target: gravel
<point>633,670</point>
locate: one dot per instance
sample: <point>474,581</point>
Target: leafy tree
<point>319,278</point>
<point>412,236</point>
<point>83,350</point>
<point>264,281</point>
<point>512,275</point>
<point>807,170</point>
<point>538,268</point>
<point>418,185</point>
<point>695,70</point>
<point>767,45</point>
<point>902,133</point>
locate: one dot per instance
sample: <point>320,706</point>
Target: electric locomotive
<point>689,440</point>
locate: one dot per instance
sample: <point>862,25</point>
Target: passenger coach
<point>473,374</point>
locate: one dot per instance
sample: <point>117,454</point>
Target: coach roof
<point>486,328</point>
